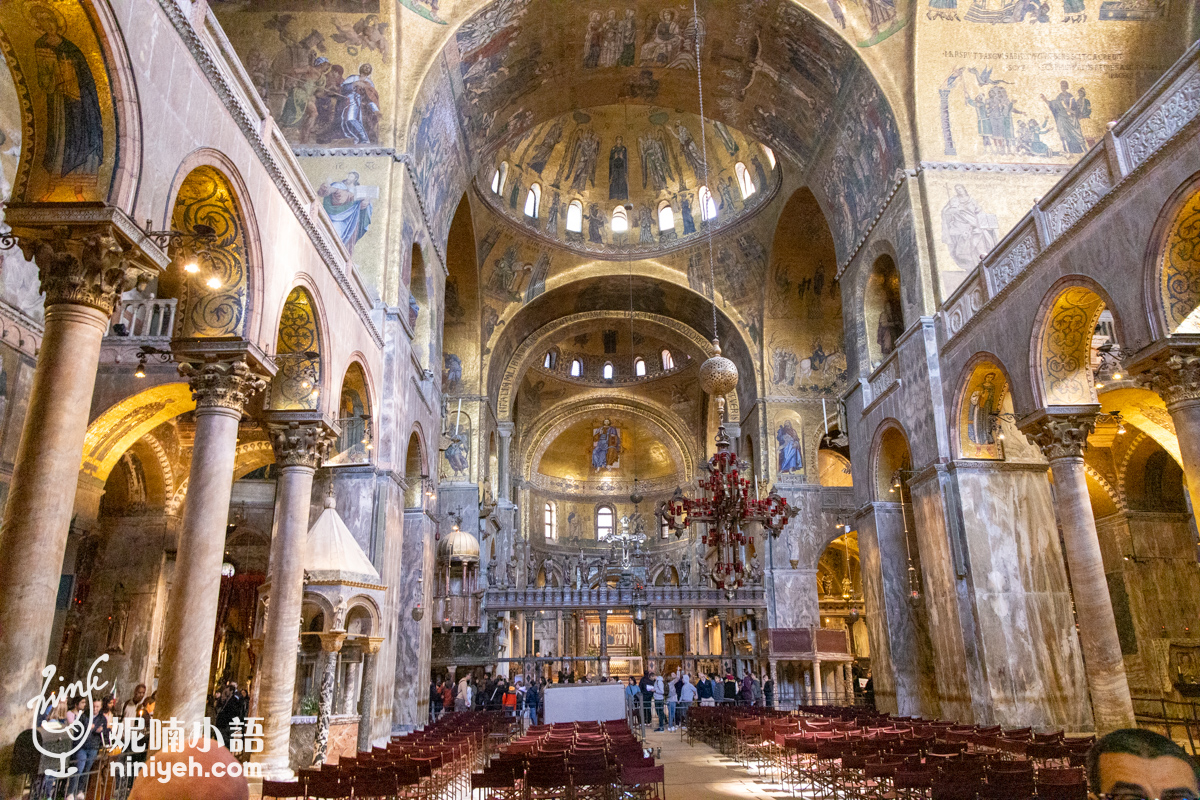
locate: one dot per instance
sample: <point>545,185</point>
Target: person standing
<point>633,695</point>
<point>704,690</point>
<point>769,691</point>
<point>687,696</point>
<point>532,699</point>
<point>718,688</point>
<point>756,692</point>
<point>647,687</point>
<point>660,693</point>
<point>672,700</point>
<point>731,688</point>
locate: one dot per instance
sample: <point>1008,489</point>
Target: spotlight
<point>140,371</point>
<point>191,267</point>
<point>213,283</point>
<point>1116,376</point>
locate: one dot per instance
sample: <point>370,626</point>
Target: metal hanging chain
<point>712,270</point>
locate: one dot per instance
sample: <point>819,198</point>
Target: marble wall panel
<point>414,638</point>
<point>1026,626</point>
<point>939,596</point>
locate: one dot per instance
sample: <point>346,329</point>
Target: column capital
<point>300,443</point>
<point>1062,432</point>
<point>86,253</point>
<point>222,384</point>
<point>370,646</point>
<point>331,642</point>
<point>1171,368</point>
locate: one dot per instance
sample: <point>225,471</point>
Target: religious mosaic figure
<point>690,150</point>
<point>360,114</point>
<point>1068,110</point>
<point>656,165</point>
<point>595,224</point>
<point>592,39</point>
<point>618,171</point>
<point>610,40</point>
<point>582,164</point>
<point>979,415</point>
<point>665,40</point>
<point>645,225</point>
<point>606,446</point>
<point>452,371</point>
<point>74,138</point>
<point>349,206</point>
<point>627,28</point>
<point>685,211</point>
<point>967,229</point>
<point>545,148</point>
<point>457,454</point>
<point>889,328</point>
<point>791,452</point>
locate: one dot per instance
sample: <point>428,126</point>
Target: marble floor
<point>698,772</point>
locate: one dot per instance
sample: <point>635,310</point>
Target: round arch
<point>535,345</point>
<point>1172,271</point>
<point>890,452</point>
<point>209,189</point>
<point>101,161</point>
<point>115,430</point>
<point>300,380</point>
<point>556,419</point>
<point>1060,353</point>
<point>983,386</point>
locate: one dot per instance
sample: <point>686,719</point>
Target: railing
<point>608,597</point>
<point>144,319</point>
<point>354,442</point>
<point>1177,719</point>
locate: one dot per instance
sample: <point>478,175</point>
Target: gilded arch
<point>297,384</point>
<point>1062,345</point>
<point>982,388</point>
<point>1173,269</point>
<point>114,431</point>
<point>528,351</point>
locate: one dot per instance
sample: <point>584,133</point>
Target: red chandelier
<point>725,508</point>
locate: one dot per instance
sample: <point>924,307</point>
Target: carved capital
<point>1060,436</point>
<point>370,646</point>
<point>1176,379</point>
<point>86,253</point>
<point>300,444</point>
<point>222,384</point>
<point>331,642</point>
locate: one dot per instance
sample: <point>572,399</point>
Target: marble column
<point>1174,373</point>
<point>222,384</point>
<point>1062,439</point>
<point>505,432</point>
<point>604,642</point>
<point>366,699</point>
<point>818,693</point>
<point>688,665</point>
<point>84,264</point>
<point>299,450</point>
<point>331,645</point>
<point>848,683</point>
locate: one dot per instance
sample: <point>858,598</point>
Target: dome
<point>459,546</point>
<point>636,163</point>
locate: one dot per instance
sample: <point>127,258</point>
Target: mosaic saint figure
<point>349,208</point>
<point>360,116</point>
<point>664,43</point>
<point>1067,111</point>
<point>685,211</point>
<point>583,160</point>
<point>791,453</point>
<point>967,229</point>
<point>595,224</point>
<point>610,40</point>
<point>457,454</point>
<point>545,149</point>
<point>592,39</point>
<point>628,31</point>
<point>618,171</point>
<point>74,127</point>
<point>690,150</point>
<point>656,168</point>
<point>979,415</point>
<point>606,446</point>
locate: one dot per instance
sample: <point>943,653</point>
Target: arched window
<point>666,217</point>
<point>708,206</point>
<point>499,177</point>
<point>620,220</point>
<point>744,180</point>
<point>605,519</point>
<point>575,217</point>
<point>551,360</point>
<point>608,371</point>
<point>533,201</point>
<point>664,530</point>
<point>667,361</point>
<point>770,155</point>
<point>639,366</point>
<point>550,521</point>
<point>576,368</point>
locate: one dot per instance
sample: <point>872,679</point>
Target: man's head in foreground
<point>1131,764</point>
